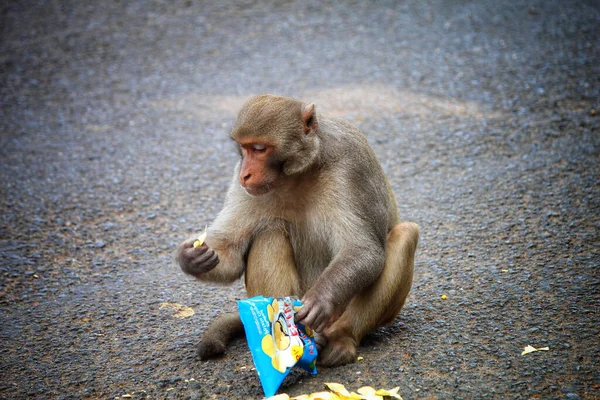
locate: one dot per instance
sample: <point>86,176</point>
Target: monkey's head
<point>277,138</point>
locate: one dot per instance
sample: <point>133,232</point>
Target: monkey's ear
<point>309,118</point>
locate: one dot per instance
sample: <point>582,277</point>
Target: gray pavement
<point>114,147</point>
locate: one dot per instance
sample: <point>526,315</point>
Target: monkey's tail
<point>219,333</point>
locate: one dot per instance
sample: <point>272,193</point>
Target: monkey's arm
<point>221,258</point>
<point>217,260</point>
<point>355,267</point>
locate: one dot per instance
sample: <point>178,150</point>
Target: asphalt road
<point>114,148</point>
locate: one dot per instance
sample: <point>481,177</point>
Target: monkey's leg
<point>379,304</point>
<point>270,271</point>
<point>270,268</point>
<point>218,334</point>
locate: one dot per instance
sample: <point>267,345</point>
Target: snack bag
<point>276,342</point>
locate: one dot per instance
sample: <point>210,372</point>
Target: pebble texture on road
<point>114,148</point>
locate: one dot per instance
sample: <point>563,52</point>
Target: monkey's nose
<point>246,178</point>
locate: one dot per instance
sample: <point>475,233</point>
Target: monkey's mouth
<point>257,190</point>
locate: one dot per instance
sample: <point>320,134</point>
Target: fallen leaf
<point>531,349</point>
<point>180,311</point>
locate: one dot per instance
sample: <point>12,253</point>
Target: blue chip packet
<point>276,342</point>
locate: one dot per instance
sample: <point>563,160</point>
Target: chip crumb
<point>444,297</point>
<point>281,396</point>
<point>200,241</point>
<point>530,349</point>
<point>338,389</point>
<point>360,358</point>
<point>179,310</point>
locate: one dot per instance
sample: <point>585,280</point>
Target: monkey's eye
<point>259,147</point>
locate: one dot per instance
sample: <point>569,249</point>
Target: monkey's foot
<point>210,348</point>
<point>320,340</point>
<point>338,352</point>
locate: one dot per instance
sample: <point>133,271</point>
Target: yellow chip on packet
<point>277,343</point>
<point>200,241</point>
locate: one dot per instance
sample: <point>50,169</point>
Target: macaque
<point>311,214</point>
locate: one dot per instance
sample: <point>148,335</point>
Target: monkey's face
<point>277,139</point>
<point>259,168</point>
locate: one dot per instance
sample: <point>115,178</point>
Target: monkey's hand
<point>317,312</point>
<point>196,260</point>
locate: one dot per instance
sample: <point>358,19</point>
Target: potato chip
<point>531,349</point>
<point>200,241</point>
<point>323,396</point>
<point>369,393</point>
<point>339,392</point>
<point>389,393</point>
<point>281,396</point>
<point>180,311</point>
<point>338,389</point>
<point>276,342</point>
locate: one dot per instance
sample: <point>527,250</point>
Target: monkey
<point>309,213</point>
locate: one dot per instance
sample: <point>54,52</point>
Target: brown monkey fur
<point>309,213</point>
